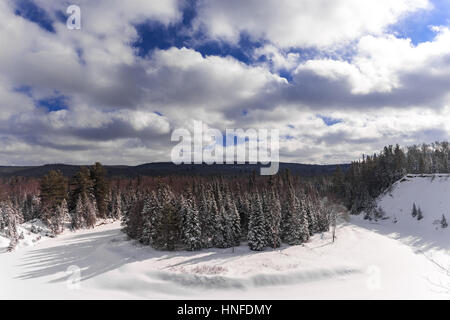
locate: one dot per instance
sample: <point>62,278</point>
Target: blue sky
<point>417,25</point>
<point>153,34</point>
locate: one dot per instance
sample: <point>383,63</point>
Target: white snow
<point>31,233</point>
<point>369,260</point>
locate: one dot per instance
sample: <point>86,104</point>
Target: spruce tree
<point>151,217</point>
<point>11,222</point>
<point>444,222</point>
<point>207,219</point>
<point>168,230</point>
<point>414,211</point>
<point>77,215</point>
<point>272,212</point>
<point>101,189</point>
<point>192,231</point>
<point>2,217</point>
<point>59,217</point>
<point>419,214</point>
<point>81,184</point>
<point>257,229</point>
<point>235,222</point>
<point>311,215</point>
<point>116,209</point>
<point>298,228</point>
<point>53,193</point>
<point>91,212</point>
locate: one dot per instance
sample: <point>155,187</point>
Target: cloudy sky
<point>339,78</point>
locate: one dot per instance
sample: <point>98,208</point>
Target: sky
<point>338,78</point>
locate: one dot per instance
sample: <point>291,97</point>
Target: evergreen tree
<point>444,222</point>
<point>58,219</point>
<point>151,213</point>
<point>243,207</point>
<point>81,185</point>
<point>101,189</point>
<point>192,231</point>
<point>272,213</point>
<point>168,232</point>
<point>91,212</point>
<point>257,228</point>
<point>10,220</point>
<point>53,193</point>
<point>298,229</point>
<point>77,215</point>
<point>3,217</point>
<point>116,206</point>
<point>207,219</point>
<point>414,211</point>
<point>311,216</point>
<point>419,214</point>
<point>235,222</point>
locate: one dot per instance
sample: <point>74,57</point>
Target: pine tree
<point>298,228</point>
<point>116,210</point>
<point>59,217</point>
<point>324,216</point>
<point>53,193</point>
<point>444,224</point>
<point>419,214</point>
<point>151,213</point>
<point>272,212</point>
<point>311,216</point>
<point>414,211</point>
<point>101,189</point>
<point>217,215</point>
<point>207,219</point>
<point>2,217</point>
<point>168,230</point>
<point>77,215</point>
<point>192,231</point>
<point>257,228</point>
<point>10,216</point>
<point>91,212</point>
<point>235,222</point>
<point>81,185</point>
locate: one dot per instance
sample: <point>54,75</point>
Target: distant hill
<point>168,168</point>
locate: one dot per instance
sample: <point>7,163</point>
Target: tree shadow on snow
<point>96,253</point>
<point>421,238</point>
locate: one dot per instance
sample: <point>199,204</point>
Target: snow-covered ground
<point>30,233</point>
<point>369,260</point>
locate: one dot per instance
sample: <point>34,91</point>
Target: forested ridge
<point>368,178</point>
<point>175,212</point>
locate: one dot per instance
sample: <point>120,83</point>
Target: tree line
<point>172,212</point>
<point>368,178</point>
<point>222,214</point>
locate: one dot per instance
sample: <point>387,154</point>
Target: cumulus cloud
<point>308,23</point>
<point>385,72</point>
<point>121,108</point>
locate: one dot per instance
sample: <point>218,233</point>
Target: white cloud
<point>386,65</point>
<point>301,23</point>
<point>390,91</point>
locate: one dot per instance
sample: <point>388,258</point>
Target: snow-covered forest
<point>192,212</point>
<point>174,213</point>
<point>241,233</point>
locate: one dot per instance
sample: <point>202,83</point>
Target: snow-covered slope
<point>361,264</point>
<point>430,193</point>
<point>30,233</point>
<point>394,258</point>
